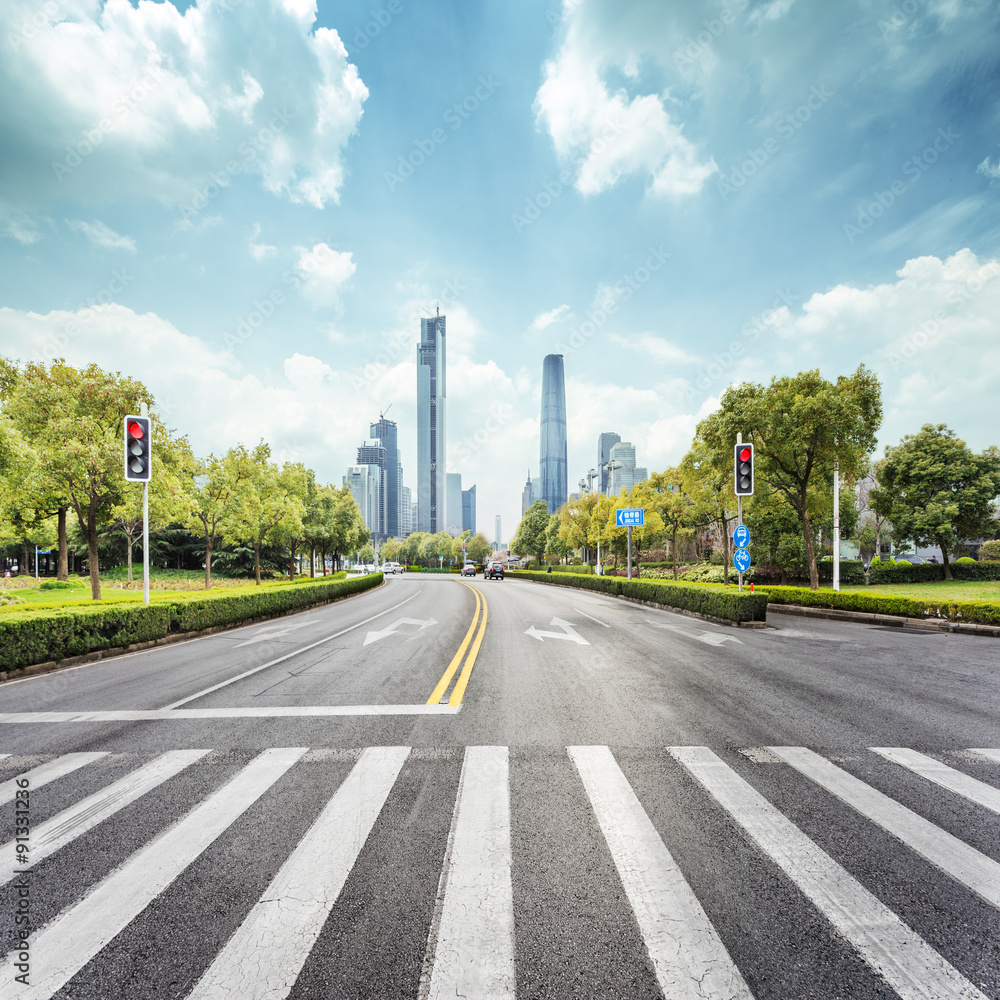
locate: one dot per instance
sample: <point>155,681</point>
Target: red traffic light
<point>745,455</point>
<point>136,430</point>
<point>138,458</point>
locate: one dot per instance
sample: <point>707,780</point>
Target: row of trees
<point>928,490</point>
<point>423,548</point>
<point>61,456</point>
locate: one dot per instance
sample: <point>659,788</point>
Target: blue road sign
<point>741,536</point>
<point>741,560</point>
<point>630,517</point>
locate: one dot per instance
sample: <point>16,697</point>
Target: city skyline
<point>702,195</point>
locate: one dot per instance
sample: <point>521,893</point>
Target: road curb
<point>895,621</point>
<point>49,666</point>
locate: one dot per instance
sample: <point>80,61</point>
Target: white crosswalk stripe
<point>45,773</point>
<point>907,963</point>
<point>472,933</point>
<point>963,863</point>
<point>947,777</point>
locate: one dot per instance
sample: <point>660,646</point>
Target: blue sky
<point>249,204</point>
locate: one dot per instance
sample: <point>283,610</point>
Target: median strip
<point>437,695</point>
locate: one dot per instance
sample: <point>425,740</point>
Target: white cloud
<point>260,251</point>
<point>610,135</point>
<point>546,319</point>
<point>324,273</point>
<point>988,169</point>
<point>773,11</point>
<point>101,235</point>
<point>174,101</point>
<point>302,370</point>
<point>658,350</point>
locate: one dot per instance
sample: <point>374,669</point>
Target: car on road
<point>469,569</point>
<point>392,567</point>
<point>910,557</point>
<point>494,570</point>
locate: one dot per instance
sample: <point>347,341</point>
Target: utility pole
<point>739,508</point>
<point>836,522</point>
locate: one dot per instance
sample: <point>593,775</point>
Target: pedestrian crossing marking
<point>947,777</point>
<point>471,940</point>
<point>892,949</point>
<point>45,773</point>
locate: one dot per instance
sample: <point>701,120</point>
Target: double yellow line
<point>458,692</point>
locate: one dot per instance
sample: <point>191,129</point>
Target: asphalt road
<point>498,789</point>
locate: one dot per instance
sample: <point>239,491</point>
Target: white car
<point>392,567</point>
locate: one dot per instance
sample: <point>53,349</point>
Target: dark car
<point>469,569</point>
<point>494,570</point>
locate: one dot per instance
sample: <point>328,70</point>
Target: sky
<point>250,204</point>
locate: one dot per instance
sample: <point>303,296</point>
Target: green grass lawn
<point>943,590</point>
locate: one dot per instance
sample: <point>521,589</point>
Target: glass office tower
<point>553,465</point>
<point>431,398</point>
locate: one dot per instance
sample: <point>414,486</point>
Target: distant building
<point>373,454</point>
<point>469,510</point>
<point>384,431</point>
<point>526,500</point>
<point>431,403</point>
<point>622,456</point>
<point>604,443</point>
<point>453,518</point>
<point>406,527</point>
<point>552,463</point>
<point>496,533</point>
<point>363,481</point>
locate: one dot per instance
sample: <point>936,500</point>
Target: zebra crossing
<point>471,928</point>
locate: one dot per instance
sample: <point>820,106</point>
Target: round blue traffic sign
<point>741,536</point>
<point>741,560</point>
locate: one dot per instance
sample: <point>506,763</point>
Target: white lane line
<point>281,659</point>
<point>894,951</point>
<point>45,773</point>
<point>254,712</point>
<point>689,958</point>
<point>265,956</point>
<point>988,753</point>
<point>947,777</point>
<point>57,832</point>
<point>954,857</point>
<point>67,943</point>
<point>591,617</point>
<point>474,951</point>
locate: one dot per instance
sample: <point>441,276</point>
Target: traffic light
<point>744,470</point>
<point>138,451</point>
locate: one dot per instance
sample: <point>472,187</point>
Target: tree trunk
<point>312,561</point>
<point>62,571</point>
<point>810,552</point>
<point>673,549</point>
<point>725,549</point>
<point>208,562</point>
<point>947,565</point>
<point>130,543</point>
<point>256,561</point>
<point>26,561</point>
<point>95,573</point>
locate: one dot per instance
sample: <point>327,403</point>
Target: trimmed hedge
<point>706,599</point>
<point>904,572</point>
<point>979,612</point>
<point>36,635</point>
<point>985,569</point>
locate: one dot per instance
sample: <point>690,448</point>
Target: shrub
<point>985,569</point>
<point>904,572</point>
<point>710,600</point>
<point>581,568</point>
<point>990,550</point>
<point>965,561</point>
<point>56,585</point>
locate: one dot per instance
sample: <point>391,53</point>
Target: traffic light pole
<point>145,543</point>
<point>739,508</point>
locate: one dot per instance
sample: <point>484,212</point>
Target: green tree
<point>478,547</point>
<point>575,518</point>
<point>800,425</point>
<point>530,537</point>
<point>213,494</point>
<point>709,484</point>
<point>643,495</point>
<point>935,491</point>
<point>74,421</point>
<point>555,544</point>
<point>675,505</point>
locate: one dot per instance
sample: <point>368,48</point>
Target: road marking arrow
<point>709,638</point>
<point>568,632</point>
<point>394,628</point>
<point>271,632</point>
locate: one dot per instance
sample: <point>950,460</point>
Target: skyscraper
<point>363,481</point>
<point>431,398</point>
<point>406,527</point>
<point>453,513</point>
<point>526,495</point>
<point>604,443</point>
<point>623,476</point>
<point>497,532</point>
<point>553,465</point>
<point>469,509</point>
<point>373,454</point>
<point>384,431</point>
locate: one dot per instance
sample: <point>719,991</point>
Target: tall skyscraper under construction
<point>553,465</point>
<point>431,399</point>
